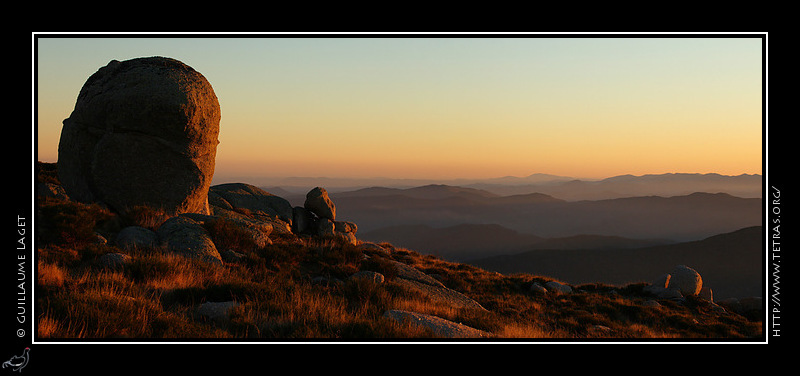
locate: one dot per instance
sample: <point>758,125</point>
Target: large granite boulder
<point>144,132</point>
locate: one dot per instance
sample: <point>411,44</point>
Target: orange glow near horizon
<point>452,108</point>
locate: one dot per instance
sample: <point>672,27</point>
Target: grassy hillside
<point>301,287</point>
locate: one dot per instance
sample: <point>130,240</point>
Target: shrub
<point>70,224</point>
<point>228,235</point>
<point>145,216</point>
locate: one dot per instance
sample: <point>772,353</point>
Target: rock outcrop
<point>439,326</point>
<point>144,132</point>
<point>135,237</point>
<point>317,217</point>
<point>256,201</point>
<point>318,202</point>
<point>420,283</point>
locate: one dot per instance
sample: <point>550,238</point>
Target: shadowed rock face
<point>143,132</point>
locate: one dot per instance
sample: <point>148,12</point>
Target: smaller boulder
<point>538,288</point>
<point>686,280</point>
<point>345,227</point>
<point>651,303</point>
<point>113,260</point>
<point>136,237</point>
<point>368,275</point>
<point>325,227</point>
<point>558,287</point>
<point>318,202</point>
<point>216,311</point>
<point>348,237</point>
<point>302,220</point>
<point>250,198</point>
<point>439,326</point>
<point>188,237</point>
<point>370,246</point>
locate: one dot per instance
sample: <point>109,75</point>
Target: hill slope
<point>678,218</point>
<point>466,242</point>
<point>731,263</point>
<point>92,285</point>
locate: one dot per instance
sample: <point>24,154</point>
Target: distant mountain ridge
<point>678,218</point>
<point>562,187</point>
<point>672,184</point>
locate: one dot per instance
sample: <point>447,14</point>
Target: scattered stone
<point>99,239</point>
<point>538,288</point>
<point>686,280</point>
<point>345,227</point>
<point>253,199</point>
<point>144,132</point>
<point>231,256</point>
<point>558,288</point>
<point>188,237</point>
<point>257,231</point>
<point>302,221</point>
<point>368,275</point>
<point>349,237</point>
<point>601,328</point>
<point>325,227</point>
<point>410,273</point>
<point>439,326</point>
<point>216,311</point>
<point>325,281</point>
<point>113,260</point>
<point>136,237</point>
<point>651,303</point>
<point>442,295</point>
<point>318,202</point>
<point>370,246</point>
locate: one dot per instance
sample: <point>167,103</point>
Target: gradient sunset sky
<point>448,106</point>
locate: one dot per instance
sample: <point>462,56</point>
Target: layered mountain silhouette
<point>678,218</point>
<point>562,187</point>
<point>731,264</point>
<point>745,185</point>
<point>465,242</point>
<point>617,230</point>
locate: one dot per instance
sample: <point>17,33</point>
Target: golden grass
<point>50,275</point>
<point>156,293</point>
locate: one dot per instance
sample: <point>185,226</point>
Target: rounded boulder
<point>318,202</point>
<point>686,280</point>
<point>144,132</point>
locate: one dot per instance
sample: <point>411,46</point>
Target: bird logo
<point>18,362</point>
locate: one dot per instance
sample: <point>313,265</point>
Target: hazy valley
<point>506,226</point>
